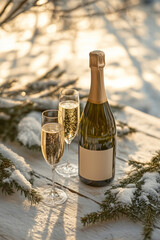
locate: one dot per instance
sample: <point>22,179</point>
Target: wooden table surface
<point>19,220</point>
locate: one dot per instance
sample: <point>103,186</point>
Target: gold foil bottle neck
<point>97,93</point>
<point>97,59</point>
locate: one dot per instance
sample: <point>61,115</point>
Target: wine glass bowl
<point>52,145</point>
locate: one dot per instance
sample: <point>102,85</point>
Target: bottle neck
<point>97,93</point>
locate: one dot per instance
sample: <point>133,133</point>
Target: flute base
<point>53,198</point>
<point>67,170</point>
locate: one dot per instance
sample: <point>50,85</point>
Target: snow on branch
<point>17,160</point>
<point>8,103</point>
<point>29,130</point>
<point>15,174</point>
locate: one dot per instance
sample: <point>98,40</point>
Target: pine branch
<point>136,196</point>
<point>12,111</point>
<point>116,107</point>
<point>54,90</point>
<point>9,188</point>
<point>8,127</point>
<point>14,114</point>
<point>81,5</point>
<point>7,85</point>
<point>123,129</point>
<point>17,8</point>
<point>149,220</point>
<point>50,78</point>
<point>12,179</point>
<point>5,7</point>
<point>104,12</point>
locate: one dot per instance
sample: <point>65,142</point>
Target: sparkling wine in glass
<point>69,106</point>
<point>52,145</point>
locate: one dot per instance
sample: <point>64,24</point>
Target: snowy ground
<point>33,43</point>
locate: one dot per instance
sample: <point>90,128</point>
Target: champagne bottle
<point>97,130</point>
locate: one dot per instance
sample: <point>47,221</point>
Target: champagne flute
<point>52,145</point>
<point>69,106</point>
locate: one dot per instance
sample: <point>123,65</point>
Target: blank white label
<point>96,165</point>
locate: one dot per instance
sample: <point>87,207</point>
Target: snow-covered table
<point>19,220</point>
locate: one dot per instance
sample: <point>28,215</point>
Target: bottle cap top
<point>97,59</point>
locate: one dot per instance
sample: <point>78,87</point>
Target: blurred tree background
<point>45,45</point>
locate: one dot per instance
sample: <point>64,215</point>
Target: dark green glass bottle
<point>97,130</point>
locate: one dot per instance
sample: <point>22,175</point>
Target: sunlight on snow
<point>4,69</point>
<point>28,21</point>
<point>124,82</point>
<point>39,2</point>
<point>37,63</point>
<point>86,42</point>
<point>51,28</point>
<point>46,219</point>
<point>38,41</point>
<point>43,19</point>
<point>7,44</point>
<point>24,46</point>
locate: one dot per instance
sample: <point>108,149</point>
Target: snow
<point>17,160</point>
<point>45,103</point>
<point>122,130</point>
<point>150,187</point>
<point>19,178</point>
<point>151,184</point>
<point>124,195</point>
<point>29,129</point>
<point>43,85</point>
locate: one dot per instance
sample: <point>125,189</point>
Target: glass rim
<point>52,110</point>
<point>72,89</point>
